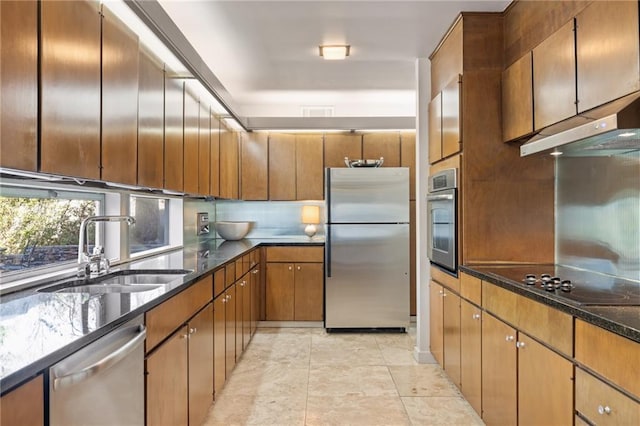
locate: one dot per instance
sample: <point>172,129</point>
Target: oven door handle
<point>439,197</point>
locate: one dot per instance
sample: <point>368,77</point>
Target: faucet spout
<point>95,264</point>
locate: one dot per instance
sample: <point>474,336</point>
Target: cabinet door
<point>230,330</point>
<point>150,122</point>
<point>201,365</point>
<point>471,354</point>
<point>309,167</point>
<point>255,298</point>
<point>254,168</point>
<point>602,404</point>
<point>336,147</point>
<point>554,78</point>
<point>229,153</point>
<point>499,373</point>
<point>282,167</point>
<point>608,52</point>
<point>548,374</point>
<point>204,151</point>
<point>408,159</point>
<point>517,99</point>
<point>386,145</point>
<point>239,317</point>
<point>219,347</point>
<point>24,406</point>
<point>451,118</point>
<point>214,160</point>
<point>279,292</point>
<point>436,325</point>
<point>167,386</point>
<point>245,284</point>
<point>173,135</point>
<point>19,84</point>
<point>435,129</point>
<point>120,65</point>
<point>191,130</point>
<point>451,321</point>
<point>308,292</point>
<point>69,129</point>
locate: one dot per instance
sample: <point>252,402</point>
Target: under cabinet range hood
<point>613,128</point>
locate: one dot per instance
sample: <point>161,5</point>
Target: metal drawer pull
<point>510,338</point>
<point>476,316</point>
<point>519,345</point>
<point>103,364</point>
<point>604,410</point>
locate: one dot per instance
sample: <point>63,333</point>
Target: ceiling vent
<point>317,111</point>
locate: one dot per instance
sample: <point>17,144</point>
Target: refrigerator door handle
<point>327,255</point>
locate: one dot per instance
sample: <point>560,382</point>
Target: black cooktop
<point>575,286</point>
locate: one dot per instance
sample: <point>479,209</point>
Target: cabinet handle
<point>255,271</point>
<point>192,330</point>
<point>604,410</point>
<point>510,338</point>
<point>184,336</point>
<point>242,284</point>
<point>299,268</point>
<point>224,300</point>
<point>519,345</point>
<point>291,268</point>
<point>441,292</point>
<point>476,316</point>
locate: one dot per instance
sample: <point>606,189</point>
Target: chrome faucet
<point>95,264</point>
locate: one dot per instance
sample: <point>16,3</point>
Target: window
<point>151,230</point>
<point>39,227</point>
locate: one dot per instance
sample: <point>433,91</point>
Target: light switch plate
<point>202,224</point>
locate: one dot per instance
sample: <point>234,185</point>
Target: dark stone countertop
<point>622,320</point>
<point>38,329</point>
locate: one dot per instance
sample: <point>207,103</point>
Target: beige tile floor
<point>304,376</point>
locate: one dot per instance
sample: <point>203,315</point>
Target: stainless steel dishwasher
<point>102,383</point>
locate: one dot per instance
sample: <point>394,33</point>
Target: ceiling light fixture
<point>335,51</point>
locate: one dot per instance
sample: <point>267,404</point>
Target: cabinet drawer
<point>500,302</point>
<point>219,283</point>
<point>162,320</point>
<point>445,279</point>
<point>620,365</point>
<point>471,288</point>
<point>295,254</point>
<point>230,274</point>
<point>602,404</point>
<point>535,318</point>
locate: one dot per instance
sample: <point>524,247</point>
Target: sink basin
<point>126,281</point>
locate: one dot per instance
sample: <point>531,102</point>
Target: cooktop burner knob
<point>566,285</point>
<point>530,279</point>
<point>545,277</point>
<point>549,286</point>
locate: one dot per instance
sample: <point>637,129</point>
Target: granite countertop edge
<point>591,314</point>
<point>216,259</point>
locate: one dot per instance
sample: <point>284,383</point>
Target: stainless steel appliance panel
<point>371,195</point>
<point>103,383</point>
<point>367,276</point>
<point>442,211</point>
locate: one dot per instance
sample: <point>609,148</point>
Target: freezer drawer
<point>367,276</point>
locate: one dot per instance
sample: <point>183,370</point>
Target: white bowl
<point>232,231</point>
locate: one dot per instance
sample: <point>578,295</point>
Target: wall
<point>598,213</point>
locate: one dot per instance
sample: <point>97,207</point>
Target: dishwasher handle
<point>104,363</point>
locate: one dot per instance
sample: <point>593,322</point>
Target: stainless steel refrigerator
<point>367,248</point>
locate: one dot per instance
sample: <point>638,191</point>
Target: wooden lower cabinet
<point>24,406</point>
<point>451,335</point>
<point>279,292</point>
<point>499,373</point>
<point>436,325</point>
<point>471,354</point>
<point>166,372</point>
<point>219,344</point>
<point>294,291</point>
<point>230,329</point>
<point>200,365</point>
<point>255,298</point>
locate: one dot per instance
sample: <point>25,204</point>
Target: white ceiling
<point>265,53</point>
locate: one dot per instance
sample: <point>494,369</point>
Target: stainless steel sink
<point>126,281</point>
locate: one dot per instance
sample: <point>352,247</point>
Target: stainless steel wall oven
<point>442,205</point>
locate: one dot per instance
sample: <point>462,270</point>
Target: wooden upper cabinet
<point>150,122</point>
<point>554,77</point>
<point>229,163</point>
<point>447,59</point>
<point>408,159</point>
<point>517,99</point>
<point>309,167</point>
<point>386,145</point>
<point>435,129</point>
<point>19,84</point>
<point>214,156</point>
<point>608,52</point>
<point>282,166</point>
<point>120,69</point>
<point>254,171</point>
<point>451,118</point>
<point>70,64</point>
<point>337,146</point>
<point>191,141</point>
<point>173,134</point>
<point>204,151</point>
